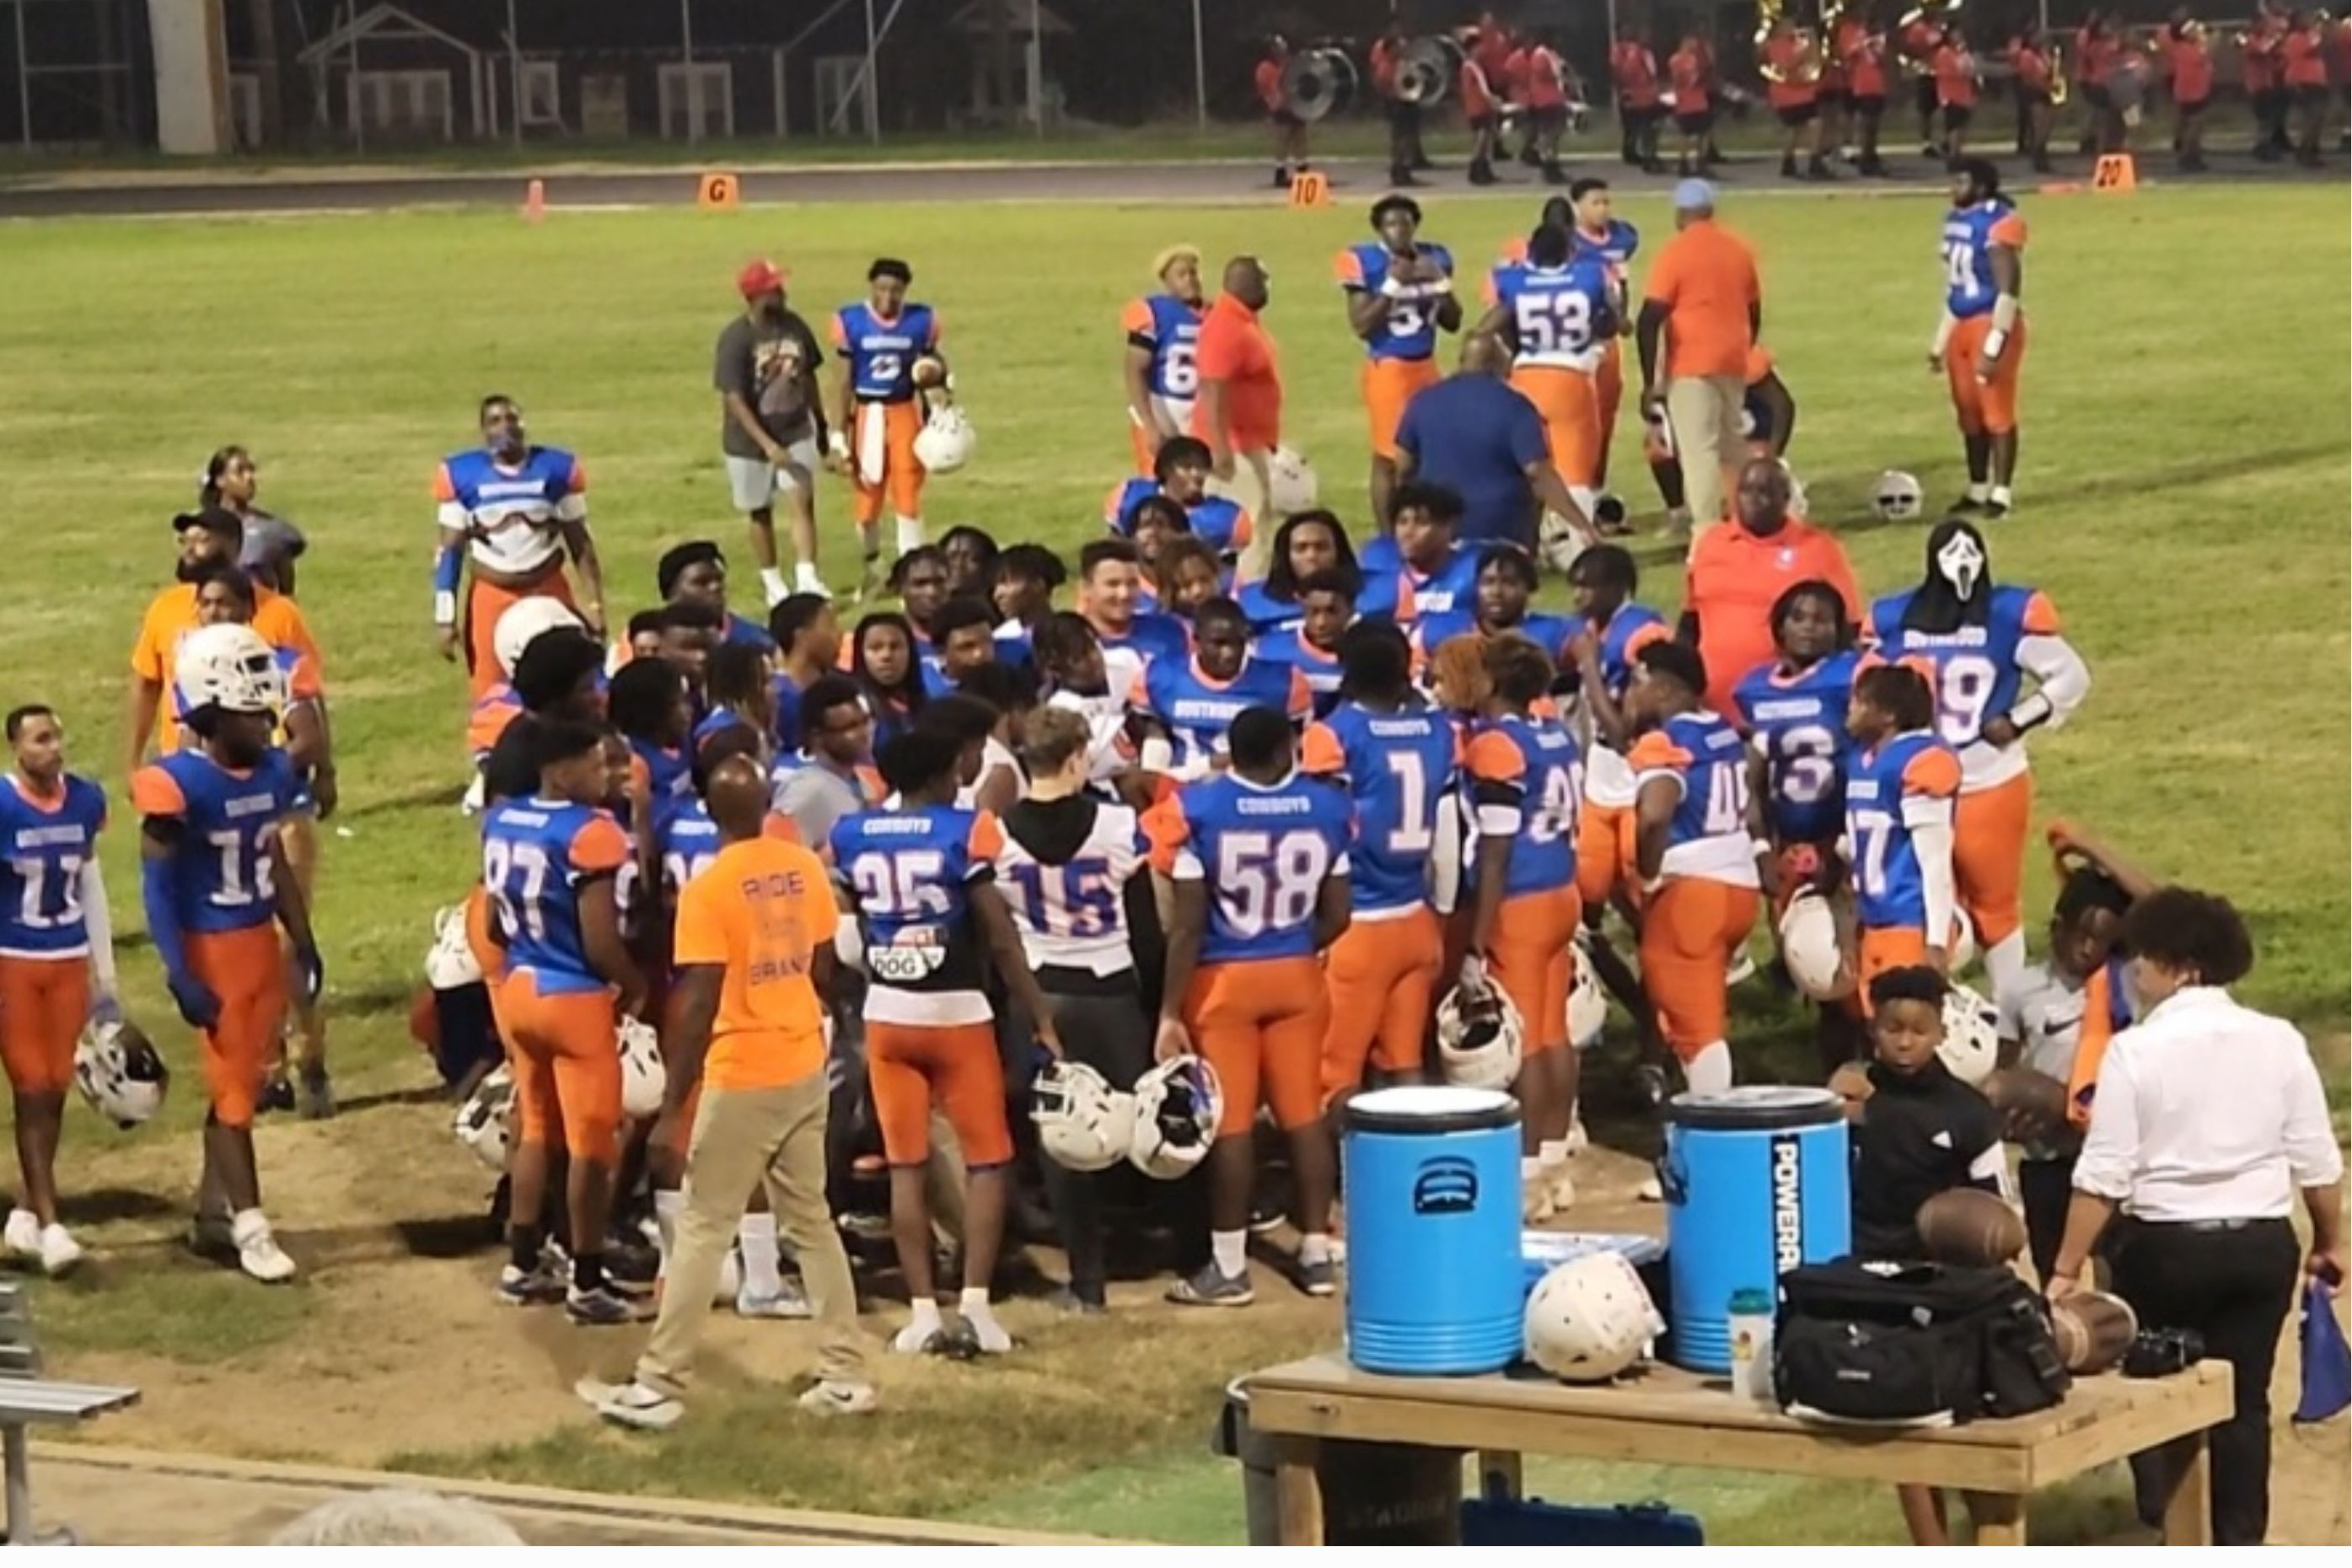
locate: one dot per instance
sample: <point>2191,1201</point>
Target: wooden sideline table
<point>1676,1417</point>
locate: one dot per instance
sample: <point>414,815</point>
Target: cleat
<point>257,1252</point>
<point>920,1339</point>
<point>1208,1288</point>
<point>603,1308</point>
<point>791,1301</point>
<point>21,1239</point>
<point>1319,1279</point>
<point>538,1287</point>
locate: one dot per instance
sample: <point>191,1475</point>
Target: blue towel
<point>2326,1359</point>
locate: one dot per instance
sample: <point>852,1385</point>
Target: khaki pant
<point>1704,413</point>
<point>306,1024</point>
<point>1248,489</point>
<point>774,1136</point>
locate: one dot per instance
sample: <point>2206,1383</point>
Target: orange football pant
<point>1259,1023</point>
<point>567,1065</point>
<point>246,970</point>
<point>1389,384</point>
<point>1532,957</point>
<point>485,602</point>
<point>909,1066</point>
<point>1604,852</point>
<point>1878,951</point>
<point>1984,409</point>
<point>1570,402</point>
<point>43,1003</point>
<point>1690,929</point>
<point>1988,833</point>
<point>1383,976</point>
<point>882,442</point>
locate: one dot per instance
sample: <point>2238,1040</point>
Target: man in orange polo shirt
<point>1238,411</point>
<point>207,539</point>
<point>1737,574</point>
<point>751,956</point>
<point>1706,301</point>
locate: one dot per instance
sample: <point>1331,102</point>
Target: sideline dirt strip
<point>127,1497</point>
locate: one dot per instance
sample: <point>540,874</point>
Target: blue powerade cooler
<point>1757,1182</point>
<point>1433,1274</point>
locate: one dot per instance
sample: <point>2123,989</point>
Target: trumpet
<point>2058,83</point>
<point>1807,69</point>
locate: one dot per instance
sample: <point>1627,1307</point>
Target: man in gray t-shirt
<point>833,776</point>
<point>771,423</point>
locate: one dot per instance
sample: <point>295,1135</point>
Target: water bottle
<point>1750,1323</point>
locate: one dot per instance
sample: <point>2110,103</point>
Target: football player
<point>1693,855</point>
<point>807,634</point>
<point>921,877</point>
<point>1181,472</point>
<point>1393,754</point>
<point>1109,573</point>
<point>1900,784</point>
<point>885,659</point>
<point>1435,574</point>
<point>1161,329</point>
<point>878,405</point>
<point>1326,609</point>
<point>515,510</point>
<point>1257,858</point>
<point>1562,312</point>
<point>1979,344</point>
<point>208,862</point>
<point>694,572</point>
<point>1981,641</point>
<point>57,964</point>
<point>1600,235</point>
<point>1191,703</point>
<point>1506,588</point>
<point>1525,779</point>
<point>1612,630</point>
<point>1794,710</point>
<point>1400,293</point>
<point>1308,543</point>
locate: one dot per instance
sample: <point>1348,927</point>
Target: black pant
<point>2045,1188</point>
<point>2233,1287</point>
<point>1103,1025</point>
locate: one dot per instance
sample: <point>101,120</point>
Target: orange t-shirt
<point>1269,84</point>
<point>1706,277</point>
<point>1783,52</point>
<point>1233,348</point>
<point>1956,78</point>
<point>2192,71</point>
<point>1733,579</point>
<point>2304,64</point>
<point>173,616</point>
<point>760,910</point>
<point>1636,70</point>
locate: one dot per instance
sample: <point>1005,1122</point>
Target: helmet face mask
<point>1083,1124</point>
<point>1971,1047</point>
<point>1591,1319</point>
<point>120,1072</point>
<point>1480,1037</point>
<point>644,1082</point>
<point>484,1124</point>
<point>1177,1108</point>
<point>946,441</point>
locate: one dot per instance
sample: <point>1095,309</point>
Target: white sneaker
<point>1651,1191</point>
<point>920,1337</point>
<point>21,1239</point>
<point>808,582</point>
<point>840,1399</point>
<point>1742,968</point>
<point>257,1252</point>
<point>630,1405</point>
<point>59,1251</point>
<point>1577,1141</point>
<point>1535,1198</point>
<point>788,1302</point>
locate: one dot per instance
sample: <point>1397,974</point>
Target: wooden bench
<point>1674,1417</point>
<point>28,1400</point>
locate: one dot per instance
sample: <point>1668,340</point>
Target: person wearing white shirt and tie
<point>2206,1118</point>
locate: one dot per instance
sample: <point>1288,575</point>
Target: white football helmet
<point>945,442</point>
<point>484,1123</point>
<point>1810,945</point>
<point>228,667</point>
<point>1800,503</point>
<point>643,1079</point>
<point>1289,482</point>
<point>1591,1319</point>
<point>1480,1038</point>
<point>1897,497</point>
<point>1963,949</point>
<point>120,1072</point>
<point>449,962</point>
<point>1588,1003</point>
<point>1177,1105</point>
<point>522,622</point>
<point>1083,1123</point>
<point>1971,1047</point>
<point>1560,541</point>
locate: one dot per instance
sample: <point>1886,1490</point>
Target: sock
<point>771,580</point>
<point>755,1233</point>
<point>922,1318</point>
<point>587,1273</point>
<point>1531,1167</point>
<point>1552,1151</point>
<point>1709,1071</point>
<point>1227,1249</point>
<point>667,1207</point>
<point>980,1317</point>
<point>808,579</point>
<point>1979,492</point>
<point>524,1243</point>
<point>2000,495</point>
<point>1314,1248</point>
<point>910,533</point>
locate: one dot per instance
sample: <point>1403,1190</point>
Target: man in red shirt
<point>1737,574</point>
<point>1860,48</point>
<point>1289,130</point>
<point>1956,92</point>
<point>2030,67</point>
<point>2303,66</point>
<point>1920,36</point>
<point>1791,65</point>
<point>1404,115</point>
<point>1694,103</point>
<point>2189,61</point>
<point>1633,69</point>
<point>2260,70</point>
<point>1481,109</point>
<point>1547,100</point>
<point>1238,411</point>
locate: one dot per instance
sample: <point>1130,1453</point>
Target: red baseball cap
<point>758,278</point>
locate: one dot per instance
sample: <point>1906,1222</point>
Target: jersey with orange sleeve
<point>1265,850</point>
<point>1525,779</point>
<point>1196,710</point>
<point>882,353</point>
<point>1904,786</point>
<point>537,856</point>
<point>1971,233</point>
<point>1408,330</point>
<point>44,845</point>
<point>1797,725</point>
<point>1708,763</point>
<point>910,871</point>
<point>1395,768</point>
<point>1977,671</point>
<point>1167,329</point>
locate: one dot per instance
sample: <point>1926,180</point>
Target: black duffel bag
<point>1882,1341</point>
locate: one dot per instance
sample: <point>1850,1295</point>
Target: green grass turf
<point>2183,501</point>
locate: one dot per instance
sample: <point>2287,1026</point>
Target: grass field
<point>2183,502</point>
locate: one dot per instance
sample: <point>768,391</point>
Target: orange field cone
<point>534,201</point>
<point>2115,175</point>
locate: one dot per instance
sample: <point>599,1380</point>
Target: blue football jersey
<point>1196,711</point>
<point>910,871</point>
<point>537,856</point>
<point>1408,331</point>
<point>1264,851</point>
<point>223,871</point>
<point>1969,237</point>
<point>1976,675</point>
<point>1170,331</point>
<point>44,845</point>
<point>1563,316</point>
<point>1317,666</point>
<point>1525,780</point>
<point>1396,768</point>
<point>1797,724</point>
<point>1888,892</point>
<point>882,354</point>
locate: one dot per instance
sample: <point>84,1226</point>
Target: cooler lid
<point>1428,1107</point>
<point>1749,1106</point>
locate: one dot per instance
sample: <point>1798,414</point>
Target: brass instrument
<point>1808,70</point>
<point>2059,86</point>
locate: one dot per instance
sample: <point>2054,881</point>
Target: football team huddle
<point>978,895</point>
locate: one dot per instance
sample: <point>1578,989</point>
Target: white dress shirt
<point>2208,1111</point>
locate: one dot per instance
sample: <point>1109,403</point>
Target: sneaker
<point>630,1405</point>
<point>539,1287</point>
<point>257,1252</point>
<point>920,1339</point>
<point>1578,1141</point>
<point>318,1100</point>
<point>1209,1287</point>
<point>601,1308</point>
<point>276,1094</point>
<point>59,1251</point>
<point>21,1239</point>
<point>1651,1191</point>
<point>1320,1277</point>
<point>630,1268</point>
<point>1262,1219</point>
<point>1535,1199</point>
<point>830,1398</point>
<point>1072,1301</point>
<point>788,1302</point>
